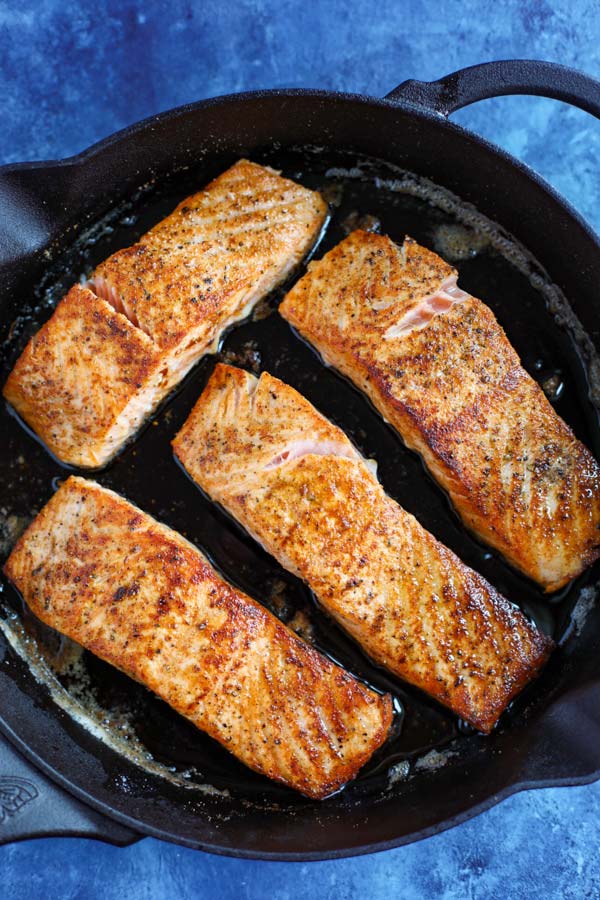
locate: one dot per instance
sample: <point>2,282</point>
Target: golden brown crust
<point>193,275</point>
<point>409,601</point>
<point>456,392</point>
<point>138,595</point>
<point>78,374</point>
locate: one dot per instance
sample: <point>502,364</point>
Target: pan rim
<point>402,106</point>
<point>145,830</point>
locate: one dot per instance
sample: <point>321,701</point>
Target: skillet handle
<point>32,806</point>
<point>499,79</point>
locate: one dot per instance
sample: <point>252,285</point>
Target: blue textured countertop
<point>71,73</point>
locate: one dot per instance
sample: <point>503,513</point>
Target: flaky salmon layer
<point>438,366</point>
<point>116,347</point>
<point>299,486</point>
<point>141,597</point>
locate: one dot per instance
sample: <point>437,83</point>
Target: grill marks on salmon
<point>439,368</point>
<point>117,346</point>
<point>141,597</point>
<point>302,490</point>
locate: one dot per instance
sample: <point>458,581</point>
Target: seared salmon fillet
<point>298,485</point>
<point>141,597</point>
<point>116,347</point>
<point>439,368</point>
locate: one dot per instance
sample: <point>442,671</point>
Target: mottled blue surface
<point>71,73</point>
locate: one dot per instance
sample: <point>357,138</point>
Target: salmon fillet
<point>298,485</point>
<point>79,383</point>
<point>439,368</point>
<point>141,597</point>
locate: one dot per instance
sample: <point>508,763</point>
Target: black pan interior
<point>361,192</point>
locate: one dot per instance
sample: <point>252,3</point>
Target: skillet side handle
<point>499,79</point>
<point>32,806</point>
<point>36,203</point>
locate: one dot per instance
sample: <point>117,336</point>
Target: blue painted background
<point>71,73</point>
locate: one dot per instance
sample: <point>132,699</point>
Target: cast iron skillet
<point>59,777</point>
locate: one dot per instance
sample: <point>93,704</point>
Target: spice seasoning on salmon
<point>118,345</point>
<point>302,490</point>
<point>439,368</point>
<point>144,599</point>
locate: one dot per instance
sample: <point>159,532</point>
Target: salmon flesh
<point>141,597</point>
<point>117,346</point>
<point>439,368</point>
<point>299,486</point>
